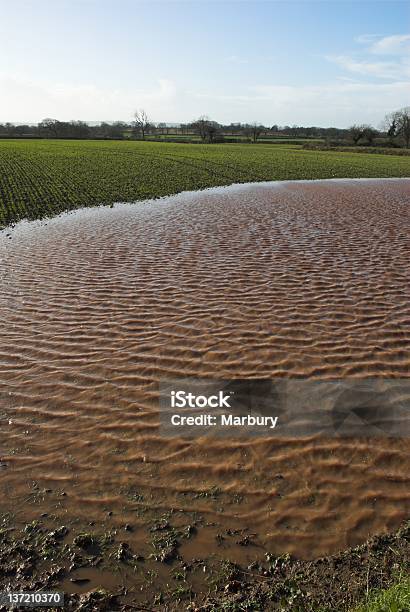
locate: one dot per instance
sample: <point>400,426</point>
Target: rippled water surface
<point>297,279</point>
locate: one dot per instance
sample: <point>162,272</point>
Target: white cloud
<point>338,103</point>
<point>398,44</point>
<point>235,59</point>
<point>28,100</point>
<point>366,38</point>
<point>383,70</point>
<point>255,59</point>
<point>395,65</point>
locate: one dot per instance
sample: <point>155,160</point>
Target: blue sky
<point>323,62</point>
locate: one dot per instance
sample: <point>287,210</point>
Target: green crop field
<point>44,177</point>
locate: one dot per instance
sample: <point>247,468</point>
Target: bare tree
<point>49,127</point>
<point>254,130</point>
<point>357,132</point>
<point>141,122</point>
<point>390,125</point>
<point>369,133</point>
<point>397,124</point>
<point>403,124</point>
<point>206,128</point>
<point>200,126</point>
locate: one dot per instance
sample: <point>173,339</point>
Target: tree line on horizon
<point>395,129</point>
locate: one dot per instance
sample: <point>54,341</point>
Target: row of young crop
<point>42,178</point>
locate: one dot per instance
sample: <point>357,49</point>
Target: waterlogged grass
<point>394,599</point>
<point>42,178</point>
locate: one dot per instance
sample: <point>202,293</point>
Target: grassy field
<point>394,599</point>
<point>45,177</point>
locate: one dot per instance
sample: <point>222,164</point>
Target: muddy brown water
<point>295,279</point>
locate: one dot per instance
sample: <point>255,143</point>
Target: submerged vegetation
<point>40,178</point>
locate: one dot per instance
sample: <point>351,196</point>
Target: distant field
<point>45,177</point>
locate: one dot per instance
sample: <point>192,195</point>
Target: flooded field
<point>297,279</point>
